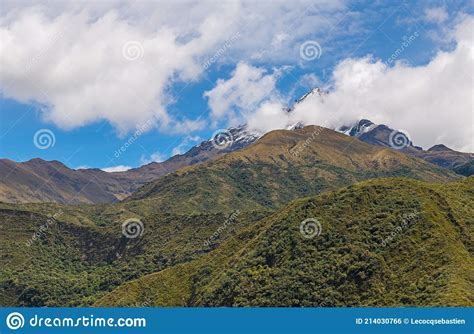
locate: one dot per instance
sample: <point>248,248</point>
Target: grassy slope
<point>280,167</point>
<point>428,262</point>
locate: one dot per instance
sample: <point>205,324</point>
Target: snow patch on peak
<point>241,134</point>
<point>314,91</point>
<point>357,129</point>
<point>295,126</point>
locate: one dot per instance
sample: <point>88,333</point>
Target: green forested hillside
<point>387,242</point>
<point>73,264</point>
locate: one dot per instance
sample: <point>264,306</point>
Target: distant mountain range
<point>276,153</point>
<point>38,180</point>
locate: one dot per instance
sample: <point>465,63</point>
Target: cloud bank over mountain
<point>432,102</point>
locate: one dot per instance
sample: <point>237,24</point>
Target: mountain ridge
<point>38,180</point>
<point>282,164</point>
<point>382,135</point>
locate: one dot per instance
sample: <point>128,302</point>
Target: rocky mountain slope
<point>382,135</point>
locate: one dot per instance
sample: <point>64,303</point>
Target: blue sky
<point>350,30</point>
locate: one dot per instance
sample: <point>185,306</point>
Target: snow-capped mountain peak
<point>242,135</point>
<point>357,129</point>
<point>231,138</point>
<point>314,91</point>
<point>234,138</point>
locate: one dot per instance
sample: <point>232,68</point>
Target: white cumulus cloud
<point>243,92</point>
<point>113,169</point>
